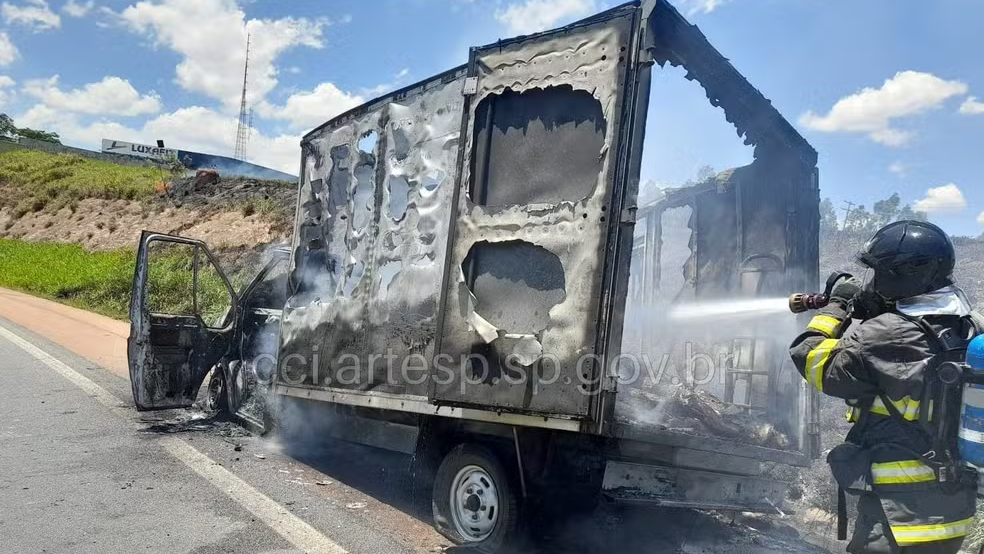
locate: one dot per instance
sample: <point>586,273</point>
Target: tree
<point>828,218</point>
<point>704,174</point>
<point>7,127</point>
<point>649,191</point>
<point>859,222</point>
<point>839,241</point>
<point>44,136</point>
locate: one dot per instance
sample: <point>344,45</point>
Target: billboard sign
<point>138,150</point>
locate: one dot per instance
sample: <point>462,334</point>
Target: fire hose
<point>804,301</point>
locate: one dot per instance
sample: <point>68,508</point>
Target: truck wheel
<point>216,399</point>
<point>474,501</point>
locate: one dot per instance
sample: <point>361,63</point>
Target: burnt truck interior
<point>233,334</point>
<point>474,247</point>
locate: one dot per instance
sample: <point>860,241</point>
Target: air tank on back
<point>971,441</point>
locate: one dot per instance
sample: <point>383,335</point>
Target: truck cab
<point>228,335</point>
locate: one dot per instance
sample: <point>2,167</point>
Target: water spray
<point>797,303</point>
<point>730,308</point>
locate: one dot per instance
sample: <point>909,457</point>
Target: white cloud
<point>399,80</point>
<point>898,168</point>
<point>533,16</point>
<point>34,14</point>
<point>6,94</point>
<point>8,52</point>
<point>980,218</point>
<point>947,198</point>
<point>78,9</point>
<point>193,128</point>
<point>213,47</point>
<point>111,96</point>
<point>972,106</point>
<point>872,111</point>
<point>702,6</point>
<point>306,110</point>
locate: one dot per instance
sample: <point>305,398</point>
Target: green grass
<point>100,281</point>
<point>95,281</point>
<point>33,180</point>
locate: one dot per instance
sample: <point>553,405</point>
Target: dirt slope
<point>231,213</point>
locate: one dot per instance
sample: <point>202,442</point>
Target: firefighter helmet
<point>909,258</point>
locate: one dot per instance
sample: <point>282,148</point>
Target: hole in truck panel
<point>540,146</point>
<point>515,284</point>
<point>432,180</point>
<point>339,179</point>
<point>687,139</point>
<point>675,256</point>
<point>362,196</point>
<point>399,196</point>
<point>353,278</point>
<point>387,273</point>
<point>367,144</point>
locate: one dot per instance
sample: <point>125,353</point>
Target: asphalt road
<point>82,471</point>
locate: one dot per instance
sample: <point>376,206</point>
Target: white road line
<point>295,530</point>
<point>289,526</point>
<point>92,389</point>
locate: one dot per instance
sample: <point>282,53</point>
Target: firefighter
<point>871,346</point>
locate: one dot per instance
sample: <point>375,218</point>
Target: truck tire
<point>474,500</point>
<point>216,395</point>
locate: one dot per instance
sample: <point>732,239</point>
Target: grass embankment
<point>32,180</point>
<point>100,281</point>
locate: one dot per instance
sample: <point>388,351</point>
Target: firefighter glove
<point>844,291</point>
<point>867,304</point>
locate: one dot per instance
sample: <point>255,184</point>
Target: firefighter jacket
<point>903,504</point>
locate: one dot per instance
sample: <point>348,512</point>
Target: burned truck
<point>473,281</point>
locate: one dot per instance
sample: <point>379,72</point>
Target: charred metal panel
<point>689,488</point>
<point>671,39</point>
<point>715,227</point>
<point>560,212</point>
<point>169,355</point>
<point>369,254</point>
<point>539,146</point>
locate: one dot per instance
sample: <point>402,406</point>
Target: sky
<point>890,92</point>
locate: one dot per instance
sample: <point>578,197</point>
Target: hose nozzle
<point>804,301</point>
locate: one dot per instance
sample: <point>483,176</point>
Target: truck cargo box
<point>472,244</point>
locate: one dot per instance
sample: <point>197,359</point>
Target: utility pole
<point>848,210</point>
<point>242,133</point>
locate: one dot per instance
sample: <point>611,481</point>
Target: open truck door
<point>182,320</point>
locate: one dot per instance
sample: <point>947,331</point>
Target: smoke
<point>232,168</point>
<point>252,371</point>
<point>699,345</point>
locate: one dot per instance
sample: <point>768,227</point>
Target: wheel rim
<point>214,393</point>
<point>474,503</point>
